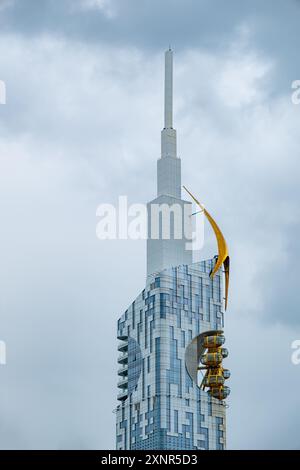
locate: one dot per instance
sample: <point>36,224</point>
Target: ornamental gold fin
<point>223,255</point>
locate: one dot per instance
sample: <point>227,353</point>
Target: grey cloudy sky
<point>82,126</point>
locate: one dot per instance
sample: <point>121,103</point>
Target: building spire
<point>168,134</point>
<point>169,89</point>
<point>163,253</point>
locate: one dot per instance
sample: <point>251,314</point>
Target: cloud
<point>238,86</point>
<point>6,4</point>
<point>264,398</point>
<point>54,173</point>
<point>106,6</point>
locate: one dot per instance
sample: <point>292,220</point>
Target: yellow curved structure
<point>223,255</point>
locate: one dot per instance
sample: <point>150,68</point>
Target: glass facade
<point>160,406</point>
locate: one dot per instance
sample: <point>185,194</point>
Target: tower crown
<point>168,209</point>
<point>168,168</point>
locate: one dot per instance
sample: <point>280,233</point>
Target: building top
<point>168,134</point>
<point>164,252</point>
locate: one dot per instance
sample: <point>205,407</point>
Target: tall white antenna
<point>168,134</point>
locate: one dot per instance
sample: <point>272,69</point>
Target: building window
<point>183,339</point>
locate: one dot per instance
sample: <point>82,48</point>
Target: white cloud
<point>4,4</point>
<point>106,6</point>
<point>239,81</point>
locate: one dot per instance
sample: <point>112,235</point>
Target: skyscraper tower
<point>162,333</point>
